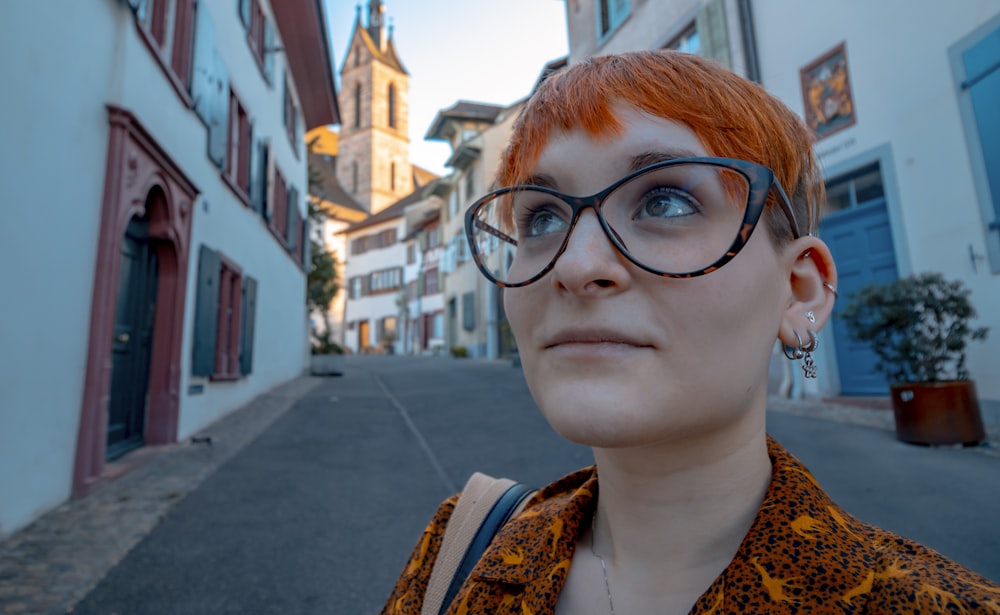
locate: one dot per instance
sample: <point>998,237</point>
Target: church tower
<point>373,162</point>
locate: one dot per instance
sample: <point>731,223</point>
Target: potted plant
<point>327,356</point>
<point>918,328</point>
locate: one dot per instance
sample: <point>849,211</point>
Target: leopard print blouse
<point>803,554</point>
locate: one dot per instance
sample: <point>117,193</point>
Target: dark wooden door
<point>133,340</point>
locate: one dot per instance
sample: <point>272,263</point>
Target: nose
<point>591,264</point>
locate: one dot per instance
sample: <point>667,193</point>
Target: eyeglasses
<point>679,219</point>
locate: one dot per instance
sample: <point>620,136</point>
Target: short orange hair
<point>733,117</point>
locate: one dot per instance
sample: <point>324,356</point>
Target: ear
<point>810,268</point>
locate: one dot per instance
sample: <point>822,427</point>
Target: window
<point>688,41</point>
<point>168,30</point>
<point>374,241</point>
<point>470,183</point>
<point>976,63</point>
<point>432,284</point>
<point>357,105</point>
<point>610,14</point>
<point>238,159</point>
<point>392,105</point>
<point>354,177</point>
<point>433,237</point>
<point>857,189</point>
<point>385,329</point>
<point>411,253</point>
<point>411,290</point>
<point>226,307</point>
<point>453,203</point>
<point>376,282</point>
<point>260,35</point>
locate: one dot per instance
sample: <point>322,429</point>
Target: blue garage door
<point>855,224</point>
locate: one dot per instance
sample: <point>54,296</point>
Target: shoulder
<point>909,577</point>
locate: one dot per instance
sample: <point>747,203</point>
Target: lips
<point>593,336</point>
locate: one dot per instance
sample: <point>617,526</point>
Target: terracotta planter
<point>937,412</point>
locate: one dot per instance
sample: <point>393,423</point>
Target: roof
<point>552,67</point>
<point>422,177</point>
<point>326,187</point>
<point>431,217</point>
<point>392,212</point>
<point>462,110</point>
<point>302,24</point>
<point>388,56</point>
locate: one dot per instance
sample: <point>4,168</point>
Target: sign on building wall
<point>826,93</point>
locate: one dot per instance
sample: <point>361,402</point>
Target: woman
<point>645,317</point>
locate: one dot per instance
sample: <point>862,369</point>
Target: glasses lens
<point>679,218</point>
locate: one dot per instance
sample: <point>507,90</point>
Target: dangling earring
<point>808,365</point>
<point>804,352</point>
<point>811,316</point>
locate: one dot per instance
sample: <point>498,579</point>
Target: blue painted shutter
<point>293,221</point>
<point>469,311</point>
<point>267,53</point>
<point>210,88</point>
<point>982,70</point>
<point>206,316</point>
<point>248,310</point>
<point>306,246</point>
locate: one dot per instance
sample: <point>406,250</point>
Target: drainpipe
<point>749,40</point>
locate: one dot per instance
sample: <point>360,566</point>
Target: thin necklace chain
<point>604,566</point>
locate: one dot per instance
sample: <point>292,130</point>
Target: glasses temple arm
<point>492,230</point>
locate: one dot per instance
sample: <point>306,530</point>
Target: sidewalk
<point>54,563</point>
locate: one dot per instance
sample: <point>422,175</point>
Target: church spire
<point>376,22</point>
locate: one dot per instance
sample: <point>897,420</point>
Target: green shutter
<point>248,313</point>
<point>244,9</point>
<point>206,316</point>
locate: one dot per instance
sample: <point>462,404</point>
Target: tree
<point>322,283</point>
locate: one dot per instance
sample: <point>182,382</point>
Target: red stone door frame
<point>136,168</point>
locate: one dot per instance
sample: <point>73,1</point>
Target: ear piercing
<point>830,288</point>
<point>804,352</point>
<point>811,316</point>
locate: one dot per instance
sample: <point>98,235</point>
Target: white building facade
<point>163,284</point>
<point>903,97</point>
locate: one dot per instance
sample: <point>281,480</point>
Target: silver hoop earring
<point>793,353</point>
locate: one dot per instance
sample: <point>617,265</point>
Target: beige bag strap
<point>478,497</point>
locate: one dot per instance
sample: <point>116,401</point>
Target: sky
<point>488,51</point>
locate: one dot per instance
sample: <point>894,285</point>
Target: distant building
<point>153,252</point>
<point>374,170</point>
<point>903,97</point>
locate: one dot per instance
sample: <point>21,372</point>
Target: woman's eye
<point>541,221</point>
<point>667,203</point>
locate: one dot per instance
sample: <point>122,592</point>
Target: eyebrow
<point>646,159</point>
<point>639,161</point>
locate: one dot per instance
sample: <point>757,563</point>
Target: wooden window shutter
<point>218,123</point>
<point>210,88</point>
<point>714,33</point>
<point>247,324</point>
<point>206,313</point>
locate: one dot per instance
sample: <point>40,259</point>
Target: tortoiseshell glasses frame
<point>761,183</point>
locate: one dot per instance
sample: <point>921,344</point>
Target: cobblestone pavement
<point>52,564</point>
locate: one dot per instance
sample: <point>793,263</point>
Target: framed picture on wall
<point>826,93</point>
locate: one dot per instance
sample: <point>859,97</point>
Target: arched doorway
<point>132,344</point>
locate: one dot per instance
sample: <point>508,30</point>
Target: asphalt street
<point>319,513</point>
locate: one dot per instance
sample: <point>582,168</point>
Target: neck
<point>679,511</point>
